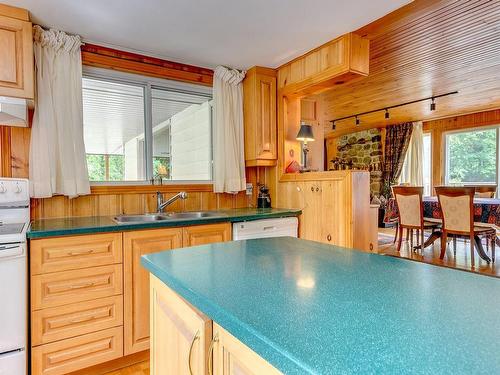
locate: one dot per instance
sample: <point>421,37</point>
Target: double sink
<point>148,218</point>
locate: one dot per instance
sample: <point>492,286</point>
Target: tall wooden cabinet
<point>16,53</point>
<point>259,116</point>
<point>335,206</point>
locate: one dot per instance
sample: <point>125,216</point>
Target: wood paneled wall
<point>132,203</point>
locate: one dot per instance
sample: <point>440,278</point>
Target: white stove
<point>14,221</point>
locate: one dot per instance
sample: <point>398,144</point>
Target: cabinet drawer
<point>62,288</point>
<point>76,353</point>
<point>69,253</point>
<point>58,323</point>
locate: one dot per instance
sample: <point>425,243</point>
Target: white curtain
<point>229,156</point>
<point>413,172</point>
<point>57,151</point>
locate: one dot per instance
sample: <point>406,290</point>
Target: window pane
<point>113,123</point>
<point>471,157</point>
<point>427,167</point>
<point>182,135</point>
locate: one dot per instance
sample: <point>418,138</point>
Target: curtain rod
<point>391,107</point>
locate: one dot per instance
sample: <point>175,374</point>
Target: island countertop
<point>98,224</point>
<point>307,307</point>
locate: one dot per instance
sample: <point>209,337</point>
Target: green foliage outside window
<point>472,157</point>
<point>96,165</point>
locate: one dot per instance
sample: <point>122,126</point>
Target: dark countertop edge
<point>161,224</point>
<point>276,356</point>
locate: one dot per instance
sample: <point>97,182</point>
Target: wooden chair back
<point>484,191</point>
<point>457,208</point>
<point>410,208</point>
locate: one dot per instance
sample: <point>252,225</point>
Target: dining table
<point>486,211</point>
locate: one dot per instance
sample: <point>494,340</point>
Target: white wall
<point>191,134</point>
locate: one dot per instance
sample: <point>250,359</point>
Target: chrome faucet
<point>160,204</point>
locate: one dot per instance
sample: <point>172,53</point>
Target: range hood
<point>13,111</point>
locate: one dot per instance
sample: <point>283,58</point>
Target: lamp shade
<point>305,133</point>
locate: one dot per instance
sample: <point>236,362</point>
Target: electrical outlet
<point>249,189</point>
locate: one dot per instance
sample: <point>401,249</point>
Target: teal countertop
<point>307,307</point>
<point>95,224</point>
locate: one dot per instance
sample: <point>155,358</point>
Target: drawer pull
<point>81,320</point>
<point>80,286</point>
<point>75,253</point>
<point>329,237</point>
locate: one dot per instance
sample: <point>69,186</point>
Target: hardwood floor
<point>431,254</point>
<point>137,369</point>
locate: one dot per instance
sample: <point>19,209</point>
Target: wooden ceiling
<point>425,48</point>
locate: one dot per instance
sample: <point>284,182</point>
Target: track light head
<point>357,120</point>
<point>387,114</point>
<point>433,105</point>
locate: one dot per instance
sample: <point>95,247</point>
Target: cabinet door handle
<point>329,237</point>
<point>195,337</point>
<point>210,360</point>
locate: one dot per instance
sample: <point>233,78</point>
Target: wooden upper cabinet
<point>16,57</point>
<point>259,114</point>
<point>205,234</point>
<point>181,335</point>
<point>333,63</point>
<point>136,282</point>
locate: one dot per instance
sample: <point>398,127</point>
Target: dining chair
<point>411,214</point>
<point>457,211</point>
<point>484,191</point>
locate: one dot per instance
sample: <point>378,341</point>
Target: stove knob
<point>18,189</point>
<point>2,188</point>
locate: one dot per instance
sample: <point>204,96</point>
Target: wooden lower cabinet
<point>62,288</point>
<point>205,234</point>
<point>185,341</point>
<point>136,280</point>
<point>62,322</point>
<point>90,300</point>
<point>72,354</point>
<point>180,335</point>
<point>232,357</point>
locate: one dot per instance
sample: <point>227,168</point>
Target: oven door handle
<point>7,251</point>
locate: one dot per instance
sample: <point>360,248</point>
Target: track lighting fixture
<point>386,109</point>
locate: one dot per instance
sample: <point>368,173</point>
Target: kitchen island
<point>295,306</point>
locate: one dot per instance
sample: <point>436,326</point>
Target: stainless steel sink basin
<point>146,218</point>
<point>151,218</point>
<point>194,215</point>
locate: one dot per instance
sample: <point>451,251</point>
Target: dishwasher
<point>280,227</point>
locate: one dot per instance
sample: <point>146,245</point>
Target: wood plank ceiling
<point>425,48</point>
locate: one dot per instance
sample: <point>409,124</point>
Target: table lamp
<point>305,135</point>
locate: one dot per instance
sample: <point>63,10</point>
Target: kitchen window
<point>136,129</point>
<point>471,157</point>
